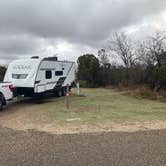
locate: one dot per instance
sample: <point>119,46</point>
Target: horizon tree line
<point>142,63</point>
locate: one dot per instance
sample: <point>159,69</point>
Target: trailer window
<point>48,74</point>
<point>19,76</point>
<point>59,73</point>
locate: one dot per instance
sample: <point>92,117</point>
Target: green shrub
<point>2,72</point>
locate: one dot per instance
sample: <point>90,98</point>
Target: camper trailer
<point>35,76</point>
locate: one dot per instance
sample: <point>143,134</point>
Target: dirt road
<point>42,149</point>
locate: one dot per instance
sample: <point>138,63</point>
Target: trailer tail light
<point>11,88</point>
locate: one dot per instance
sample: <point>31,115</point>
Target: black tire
<point>1,103</point>
<point>59,93</point>
<point>64,91</point>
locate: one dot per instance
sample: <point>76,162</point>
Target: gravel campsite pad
<point>116,148</point>
<point>105,128</point>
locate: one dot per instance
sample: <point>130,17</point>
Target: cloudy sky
<point>70,28</point>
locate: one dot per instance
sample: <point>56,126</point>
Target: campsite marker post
<point>78,88</point>
<point>67,96</point>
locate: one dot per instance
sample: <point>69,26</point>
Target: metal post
<point>67,96</point>
<point>78,88</point>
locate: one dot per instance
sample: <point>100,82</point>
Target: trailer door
<point>40,83</point>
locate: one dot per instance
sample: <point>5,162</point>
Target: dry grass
<point>104,106</point>
<point>99,110</point>
<point>142,92</point>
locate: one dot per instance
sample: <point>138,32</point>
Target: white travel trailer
<point>35,76</point>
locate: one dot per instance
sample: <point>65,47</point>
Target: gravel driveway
<point>33,148</point>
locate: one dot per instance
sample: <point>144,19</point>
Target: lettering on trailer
<point>22,67</point>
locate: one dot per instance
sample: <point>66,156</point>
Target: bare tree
<point>149,52</point>
<point>152,52</point>
<point>103,57</point>
<point>122,47</point>
<point>143,55</point>
<point>155,47</point>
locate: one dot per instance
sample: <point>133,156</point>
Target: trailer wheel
<point>64,92</point>
<point>59,93</point>
<point>1,103</point>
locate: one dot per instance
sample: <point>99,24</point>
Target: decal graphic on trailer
<point>60,81</point>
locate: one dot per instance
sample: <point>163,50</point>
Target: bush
<point>2,72</point>
<point>162,76</point>
<point>83,83</point>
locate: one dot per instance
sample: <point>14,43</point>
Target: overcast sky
<point>71,28</point>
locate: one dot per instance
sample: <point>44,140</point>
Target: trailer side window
<point>59,73</point>
<point>48,74</point>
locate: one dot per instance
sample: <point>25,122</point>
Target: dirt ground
<point>25,114</point>
<point>33,148</point>
<point>29,137</point>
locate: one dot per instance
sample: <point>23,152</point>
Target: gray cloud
<point>18,44</point>
<point>24,23</point>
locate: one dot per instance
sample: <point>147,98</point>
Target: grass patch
<point>143,92</point>
<point>104,106</point>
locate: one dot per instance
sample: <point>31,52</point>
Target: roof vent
<point>54,58</point>
<point>35,57</point>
